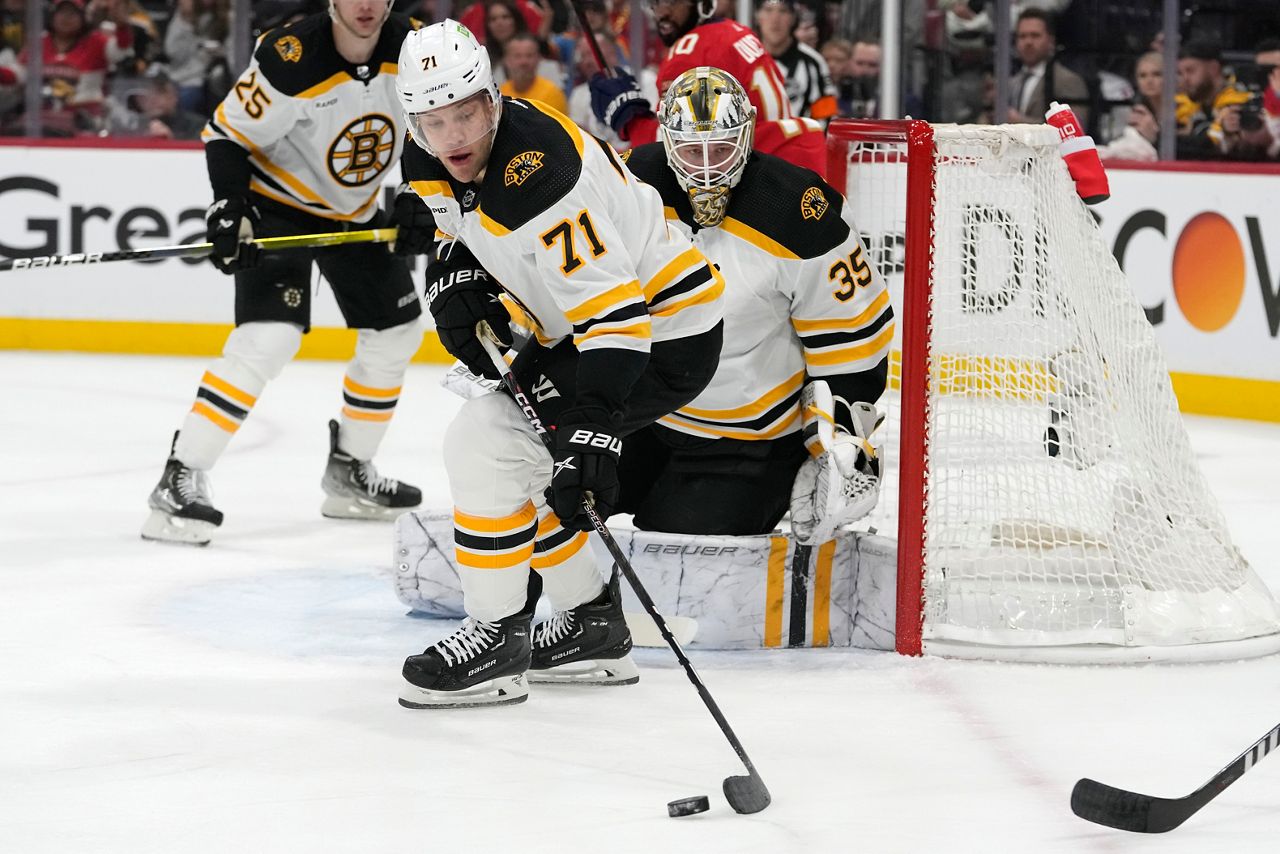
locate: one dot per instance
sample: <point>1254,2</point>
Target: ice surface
<point>242,697</point>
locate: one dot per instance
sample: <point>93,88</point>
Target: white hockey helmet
<point>444,66</point>
<point>707,125</point>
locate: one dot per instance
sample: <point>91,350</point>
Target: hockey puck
<point>688,806</point>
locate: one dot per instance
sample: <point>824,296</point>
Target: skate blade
<point>503,691</point>
<point>604,671</point>
<point>343,507</point>
<point>163,528</point>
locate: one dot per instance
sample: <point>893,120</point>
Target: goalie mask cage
<point>1048,503</point>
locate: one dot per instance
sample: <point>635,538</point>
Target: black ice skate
<point>355,490</point>
<point>586,645</point>
<point>181,508</point>
<point>481,664</point>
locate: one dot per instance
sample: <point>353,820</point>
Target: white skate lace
<point>554,629</point>
<point>467,642</point>
<point>374,482</point>
<point>191,486</point>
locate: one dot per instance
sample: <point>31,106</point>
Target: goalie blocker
<point>743,592</point>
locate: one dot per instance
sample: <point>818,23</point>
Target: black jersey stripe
<point>490,543</point>
<point>222,403</point>
<point>758,423</point>
<point>559,538</point>
<point>611,155</point>
<point>618,315</point>
<point>831,339</point>
<point>691,281</point>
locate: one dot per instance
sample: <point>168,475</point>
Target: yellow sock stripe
<point>773,591</point>
<point>822,594</point>
<point>514,523</point>
<point>368,415</point>
<point>226,389</point>
<point>490,560</point>
<point>561,553</point>
<point>369,391</point>
<point>217,418</point>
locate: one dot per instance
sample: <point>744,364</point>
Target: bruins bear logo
<point>362,150</point>
<point>289,48</point>
<point>521,167</point>
<point>813,204</point>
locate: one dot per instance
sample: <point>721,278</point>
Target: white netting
<point>1064,505</point>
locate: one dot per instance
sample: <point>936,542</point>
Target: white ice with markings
<point>242,697</point>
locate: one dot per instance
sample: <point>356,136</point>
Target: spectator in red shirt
<point>76,60</point>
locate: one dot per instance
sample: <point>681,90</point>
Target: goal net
<point>1038,478</point>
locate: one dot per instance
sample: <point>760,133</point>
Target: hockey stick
<point>745,793</point>
<point>590,36</point>
<point>1124,810</point>
<point>196,250</point>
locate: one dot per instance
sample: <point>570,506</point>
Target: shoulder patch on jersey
<point>520,167</point>
<point>813,204</point>
<point>626,155</point>
<point>540,164</point>
<point>791,206</point>
<point>289,48</point>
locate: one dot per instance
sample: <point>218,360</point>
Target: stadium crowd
<point>154,68</point>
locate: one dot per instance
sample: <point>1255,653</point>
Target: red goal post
<point>1038,478</point>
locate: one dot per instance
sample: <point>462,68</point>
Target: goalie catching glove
<point>840,482</point>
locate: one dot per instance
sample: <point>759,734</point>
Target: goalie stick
<point>1124,810</point>
<point>745,793</point>
<point>198,250</point>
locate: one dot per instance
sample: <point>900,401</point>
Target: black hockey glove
<point>617,100</point>
<point>416,227</point>
<point>230,223</point>
<point>461,294</point>
<point>585,463</point>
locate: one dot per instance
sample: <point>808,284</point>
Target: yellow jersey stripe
<point>827,358</point>
<point>785,423</point>
<point>505,560</point>
<point>836,324</point>
<point>220,385</point>
<point>221,420</point>
<point>682,263</point>
<point>599,305</point>
<point>361,415</point>
<point>561,553</point>
<point>640,328</point>
<point>325,85</point>
<point>432,188</point>
<point>740,229</point>
<point>575,133</point>
<point>369,391</point>
<point>710,293</point>
<point>789,386</point>
<point>518,520</point>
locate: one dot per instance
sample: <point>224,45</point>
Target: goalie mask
<point>707,125</point>
<point>446,88</point>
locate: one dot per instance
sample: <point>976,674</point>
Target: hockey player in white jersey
<point>300,145</point>
<point>625,321</point>
<point>806,315</point>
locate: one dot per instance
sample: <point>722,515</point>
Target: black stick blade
<point>746,794</point>
<point>1124,810</point>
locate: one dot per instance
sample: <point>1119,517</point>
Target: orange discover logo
<point>1208,272</point>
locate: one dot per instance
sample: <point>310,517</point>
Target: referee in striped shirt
<point>809,86</point>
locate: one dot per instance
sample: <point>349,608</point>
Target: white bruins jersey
<point>578,244</point>
<point>320,131</point>
<point>801,297</point>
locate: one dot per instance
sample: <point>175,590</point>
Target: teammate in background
<point>695,36</point>
<point>808,80</point>
<point>802,305</point>
<point>625,318</point>
<point>300,145</point>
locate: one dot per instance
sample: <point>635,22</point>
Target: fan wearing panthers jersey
<point>803,305</point>
<point>695,37</point>
<point>542,225</point>
<point>301,145</point>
